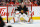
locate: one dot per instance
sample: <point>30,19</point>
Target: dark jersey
<point>24,9</point>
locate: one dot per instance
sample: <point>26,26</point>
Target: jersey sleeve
<point>26,9</point>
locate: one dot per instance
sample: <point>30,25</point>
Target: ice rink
<point>36,23</point>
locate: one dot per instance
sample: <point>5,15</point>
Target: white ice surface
<point>36,23</point>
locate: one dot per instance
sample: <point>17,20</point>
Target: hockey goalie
<point>21,12</point>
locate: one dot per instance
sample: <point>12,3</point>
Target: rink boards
<point>36,10</point>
